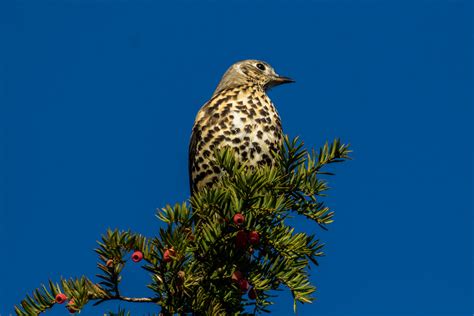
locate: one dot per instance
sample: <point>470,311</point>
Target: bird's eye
<point>261,67</point>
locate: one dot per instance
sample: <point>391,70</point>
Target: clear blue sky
<point>98,98</point>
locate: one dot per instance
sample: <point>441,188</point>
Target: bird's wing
<point>191,154</point>
<point>201,118</point>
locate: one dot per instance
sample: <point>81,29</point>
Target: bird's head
<point>251,71</point>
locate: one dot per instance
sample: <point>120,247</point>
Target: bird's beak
<point>278,80</point>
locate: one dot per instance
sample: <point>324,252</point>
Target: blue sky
<point>98,98</point>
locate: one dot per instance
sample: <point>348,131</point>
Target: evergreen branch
<point>203,259</point>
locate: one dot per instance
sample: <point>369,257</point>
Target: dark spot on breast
<point>199,177</point>
<point>218,140</point>
<point>225,112</point>
<point>267,159</point>
<point>252,153</point>
<point>215,103</point>
<point>252,113</point>
<point>257,147</point>
<point>236,140</point>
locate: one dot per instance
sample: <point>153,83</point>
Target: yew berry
<point>60,298</point>
<point>70,307</point>
<point>241,239</point>
<point>137,256</point>
<point>237,276</point>
<point>252,294</point>
<point>167,256</point>
<point>244,285</point>
<point>254,238</point>
<point>109,263</point>
<point>239,219</point>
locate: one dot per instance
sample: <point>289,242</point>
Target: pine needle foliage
<point>202,262</point>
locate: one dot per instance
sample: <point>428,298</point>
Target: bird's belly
<point>255,139</point>
<point>251,127</point>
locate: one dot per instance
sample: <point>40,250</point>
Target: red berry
<point>252,294</point>
<point>70,307</point>
<point>167,256</point>
<point>244,285</point>
<point>241,239</point>
<point>110,263</point>
<point>254,238</point>
<point>60,298</point>
<point>239,219</point>
<point>237,276</point>
<point>137,256</point>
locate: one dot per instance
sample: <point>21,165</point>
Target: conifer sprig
<point>229,240</point>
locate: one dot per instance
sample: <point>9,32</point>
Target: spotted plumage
<point>239,115</point>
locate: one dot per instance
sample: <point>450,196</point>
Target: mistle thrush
<point>239,115</point>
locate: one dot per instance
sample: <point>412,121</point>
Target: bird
<point>239,115</point>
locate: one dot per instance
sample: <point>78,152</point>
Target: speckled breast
<point>243,118</point>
